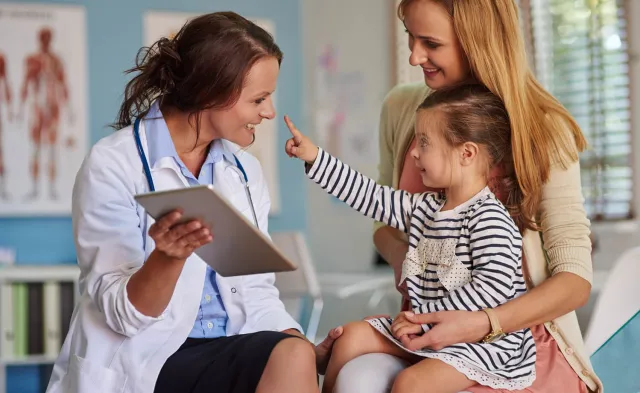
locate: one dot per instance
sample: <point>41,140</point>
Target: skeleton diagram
<point>45,83</point>
<point>7,100</point>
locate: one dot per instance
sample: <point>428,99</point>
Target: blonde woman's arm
<point>565,232</point>
<point>390,242</point>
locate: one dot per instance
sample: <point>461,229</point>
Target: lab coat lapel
<point>165,172</point>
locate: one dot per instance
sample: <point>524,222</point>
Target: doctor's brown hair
<point>472,113</point>
<point>203,66</point>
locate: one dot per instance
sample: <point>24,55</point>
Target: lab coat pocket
<point>83,376</point>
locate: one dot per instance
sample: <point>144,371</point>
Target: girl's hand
<point>403,329</point>
<point>178,241</point>
<point>299,146</point>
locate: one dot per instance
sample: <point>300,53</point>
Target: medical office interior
<point>341,57</point>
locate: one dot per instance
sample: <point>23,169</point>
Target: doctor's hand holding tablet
<point>176,240</point>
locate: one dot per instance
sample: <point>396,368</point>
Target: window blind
<point>581,57</point>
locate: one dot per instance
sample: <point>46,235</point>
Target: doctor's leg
<point>291,368</point>
<point>372,373</point>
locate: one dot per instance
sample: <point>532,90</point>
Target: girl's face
<point>434,44</point>
<point>237,124</point>
<point>432,154</point>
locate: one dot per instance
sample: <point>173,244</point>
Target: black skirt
<point>223,365</point>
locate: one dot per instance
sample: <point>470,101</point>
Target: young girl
<point>465,248</point>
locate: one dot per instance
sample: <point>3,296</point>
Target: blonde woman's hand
<point>300,146</point>
<point>448,328</point>
<point>178,241</point>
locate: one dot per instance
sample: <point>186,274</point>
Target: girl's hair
<point>203,66</point>
<point>472,113</point>
<point>542,130</point>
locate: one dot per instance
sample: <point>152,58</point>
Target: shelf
<point>40,273</point>
<point>27,360</point>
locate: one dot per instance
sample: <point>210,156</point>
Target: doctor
<point>152,316</point>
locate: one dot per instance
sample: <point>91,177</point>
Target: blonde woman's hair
<point>543,131</point>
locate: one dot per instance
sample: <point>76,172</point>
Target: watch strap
<point>493,319</point>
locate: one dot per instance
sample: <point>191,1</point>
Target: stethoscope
<point>238,168</point>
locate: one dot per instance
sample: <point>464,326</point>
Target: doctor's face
<point>237,123</point>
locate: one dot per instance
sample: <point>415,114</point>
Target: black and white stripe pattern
<point>487,243</point>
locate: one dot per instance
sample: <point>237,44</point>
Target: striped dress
<point>468,258</point>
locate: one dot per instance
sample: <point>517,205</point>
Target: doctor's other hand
<point>299,146</point>
<point>323,350</point>
<point>178,241</point>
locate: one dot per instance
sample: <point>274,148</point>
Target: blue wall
<point>115,34</point>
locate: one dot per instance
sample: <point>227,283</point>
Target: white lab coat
<point>111,347</point>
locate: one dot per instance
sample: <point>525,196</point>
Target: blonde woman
<point>456,41</point>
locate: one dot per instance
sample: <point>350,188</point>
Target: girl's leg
<point>431,376</point>
<point>358,338</point>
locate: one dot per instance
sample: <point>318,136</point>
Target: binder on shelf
<point>6,320</point>
<point>35,319</point>
<point>52,320</point>
<point>20,319</point>
<point>67,303</point>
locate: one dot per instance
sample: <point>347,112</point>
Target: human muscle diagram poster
<point>43,106</point>
<point>158,24</point>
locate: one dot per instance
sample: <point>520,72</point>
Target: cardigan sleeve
<point>564,222</point>
<point>398,110</point>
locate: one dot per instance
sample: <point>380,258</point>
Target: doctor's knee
<point>297,355</point>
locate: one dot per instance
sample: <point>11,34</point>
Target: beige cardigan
<point>565,227</point>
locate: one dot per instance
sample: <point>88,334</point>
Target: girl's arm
<point>382,203</point>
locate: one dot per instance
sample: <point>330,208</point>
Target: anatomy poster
<point>43,106</point>
<point>158,24</point>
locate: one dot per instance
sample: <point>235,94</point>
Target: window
<point>581,57</point>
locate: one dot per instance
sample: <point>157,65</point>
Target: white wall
<point>341,239</point>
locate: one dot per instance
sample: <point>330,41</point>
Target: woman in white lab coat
<point>152,316</point>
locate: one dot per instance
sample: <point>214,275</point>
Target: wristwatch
<point>496,331</point>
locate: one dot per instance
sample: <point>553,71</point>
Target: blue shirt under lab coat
<point>212,318</point>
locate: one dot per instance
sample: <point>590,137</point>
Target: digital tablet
<point>238,247</point>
